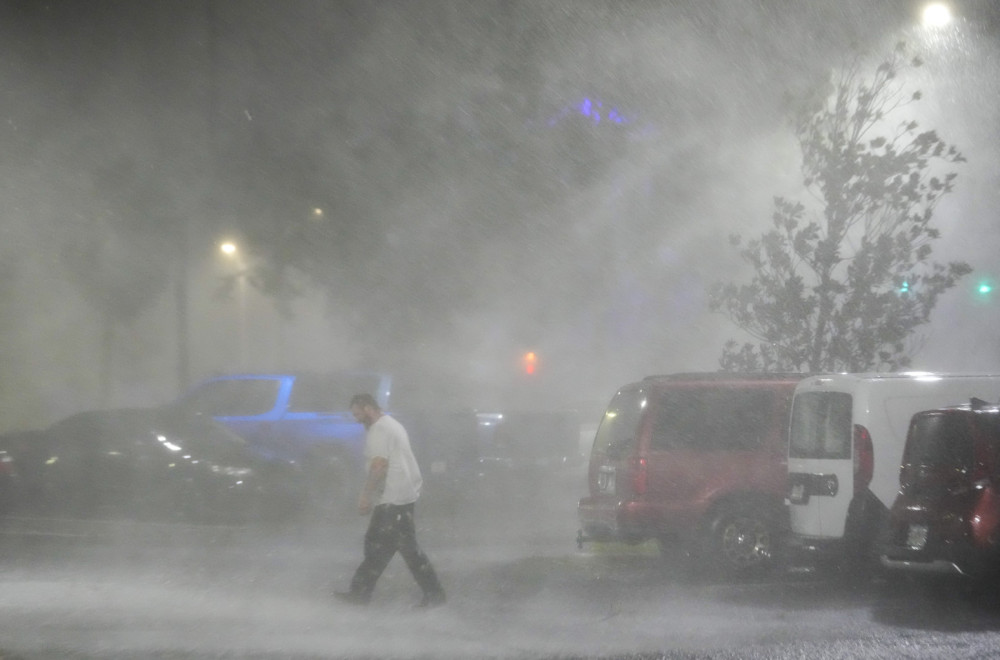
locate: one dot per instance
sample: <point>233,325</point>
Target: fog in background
<point>493,178</point>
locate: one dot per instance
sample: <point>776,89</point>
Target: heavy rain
<point>513,208</point>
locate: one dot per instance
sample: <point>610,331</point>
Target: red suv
<point>695,457</point>
<point>946,517</point>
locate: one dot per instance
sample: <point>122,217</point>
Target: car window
<point>940,440</point>
<point>316,393</point>
<point>234,397</point>
<point>620,424</point>
<point>821,425</point>
<point>712,419</point>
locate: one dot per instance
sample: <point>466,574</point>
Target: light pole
<point>231,251</point>
<point>181,307</point>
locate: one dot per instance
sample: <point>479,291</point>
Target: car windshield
<point>821,425</point>
<point>941,440</point>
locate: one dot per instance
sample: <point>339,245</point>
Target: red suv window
<point>716,419</point>
<point>620,426</point>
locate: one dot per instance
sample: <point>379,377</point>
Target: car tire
<point>743,540</point>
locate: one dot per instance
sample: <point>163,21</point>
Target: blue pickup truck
<point>303,418</point>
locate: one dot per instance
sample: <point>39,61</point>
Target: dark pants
<point>391,530</point>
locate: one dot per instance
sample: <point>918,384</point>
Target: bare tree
<point>843,283</point>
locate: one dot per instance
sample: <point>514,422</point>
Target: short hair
<point>364,400</point>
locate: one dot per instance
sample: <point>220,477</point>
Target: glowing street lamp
<point>936,15</point>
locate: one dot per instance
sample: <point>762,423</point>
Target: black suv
<point>946,518</point>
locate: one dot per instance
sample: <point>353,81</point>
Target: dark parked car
<point>695,457</point>
<point>946,517</point>
<point>147,464</point>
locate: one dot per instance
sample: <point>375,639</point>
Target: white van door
<point>820,463</point>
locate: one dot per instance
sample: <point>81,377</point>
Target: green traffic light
<point>985,288</point>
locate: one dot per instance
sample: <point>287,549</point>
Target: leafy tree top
<point>842,283</point>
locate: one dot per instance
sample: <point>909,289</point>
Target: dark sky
<point>494,176</point>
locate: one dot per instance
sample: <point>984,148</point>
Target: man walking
<point>389,494</point>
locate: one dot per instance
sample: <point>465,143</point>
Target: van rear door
<point>615,443</point>
<point>820,463</point>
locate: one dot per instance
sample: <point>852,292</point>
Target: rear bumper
<point>610,520</point>
<point>927,537</point>
<point>943,559</point>
<point>938,566</point>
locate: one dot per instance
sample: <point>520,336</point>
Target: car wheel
<point>330,485</point>
<point>743,540</point>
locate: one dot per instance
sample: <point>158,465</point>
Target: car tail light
<point>639,470</point>
<point>864,458</point>
<point>984,523</point>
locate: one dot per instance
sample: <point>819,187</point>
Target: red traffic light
<point>530,361</point>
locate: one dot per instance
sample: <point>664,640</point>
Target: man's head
<point>365,409</point>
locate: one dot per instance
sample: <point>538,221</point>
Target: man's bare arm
<point>374,484</point>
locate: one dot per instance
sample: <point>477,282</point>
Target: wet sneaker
<point>350,597</point>
<point>431,600</point>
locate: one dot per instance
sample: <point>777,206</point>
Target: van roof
<point>975,404</point>
<point>906,375</point>
<point>726,376</point>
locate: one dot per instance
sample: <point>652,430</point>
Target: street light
<point>936,15</point>
<point>230,250</point>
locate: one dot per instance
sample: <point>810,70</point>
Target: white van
<point>846,443</point>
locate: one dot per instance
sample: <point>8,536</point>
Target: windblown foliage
<point>841,285</point>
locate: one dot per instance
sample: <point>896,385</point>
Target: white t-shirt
<point>388,439</point>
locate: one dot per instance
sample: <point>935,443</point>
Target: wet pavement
<point>517,588</point>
